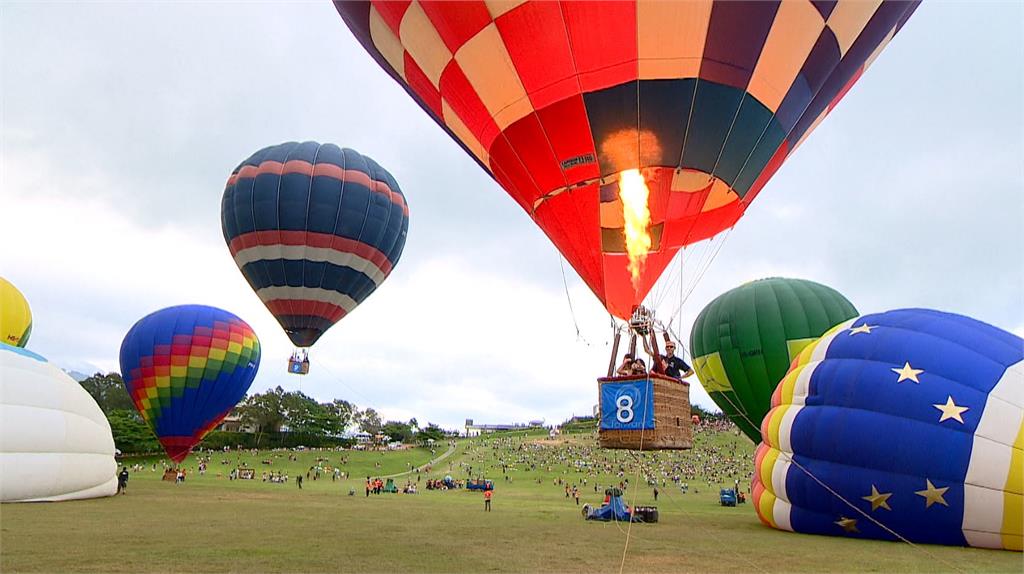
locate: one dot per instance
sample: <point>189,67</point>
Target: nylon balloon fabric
<point>914,416</point>
<point>556,99</point>
<point>15,316</point>
<point>185,368</point>
<point>744,341</point>
<point>315,229</point>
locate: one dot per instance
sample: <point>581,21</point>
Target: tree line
<point>275,415</point>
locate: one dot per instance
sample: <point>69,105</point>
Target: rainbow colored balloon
<point>185,368</point>
<point>906,424</point>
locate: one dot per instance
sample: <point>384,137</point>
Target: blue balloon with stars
<point>908,425</point>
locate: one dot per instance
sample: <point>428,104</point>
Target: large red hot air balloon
<point>561,101</point>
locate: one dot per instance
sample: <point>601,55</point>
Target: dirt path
<point>444,455</point>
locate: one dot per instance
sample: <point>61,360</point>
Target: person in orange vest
<point>487,500</point>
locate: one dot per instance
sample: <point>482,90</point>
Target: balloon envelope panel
<point>914,416</point>
<point>185,368</point>
<point>744,341</point>
<point>15,315</point>
<point>555,99</point>
<point>55,442</point>
<point>315,229</point>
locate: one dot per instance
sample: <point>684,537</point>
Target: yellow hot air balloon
<point>15,315</point>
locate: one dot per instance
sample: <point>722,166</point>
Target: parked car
<point>727,497</point>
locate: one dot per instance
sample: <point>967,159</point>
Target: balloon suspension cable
<point>332,375</point>
<point>572,313</point>
<point>704,259</point>
<point>788,457</point>
<point>704,262</point>
<point>640,325</point>
<point>727,547</point>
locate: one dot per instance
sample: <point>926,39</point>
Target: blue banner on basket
<point>628,405</point>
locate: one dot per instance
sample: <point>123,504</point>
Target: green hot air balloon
<point>744,341</point>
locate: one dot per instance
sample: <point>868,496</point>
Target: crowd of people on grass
<point>581,465</point>
<point>574,466</point>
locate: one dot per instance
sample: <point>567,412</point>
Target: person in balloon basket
<point>674,366</point>
<point>639,367</point>
<point>487,499</point>
<point>122,480</point>
<point>626,368</point>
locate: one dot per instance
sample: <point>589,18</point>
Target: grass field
<point>211,524</point>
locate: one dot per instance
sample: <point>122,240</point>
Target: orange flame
<point>633,193</point>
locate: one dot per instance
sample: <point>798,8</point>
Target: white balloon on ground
<point>55,442</point>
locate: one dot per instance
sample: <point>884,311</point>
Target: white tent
<point>55,442</point>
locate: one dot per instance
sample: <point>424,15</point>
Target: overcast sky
<point>121,123</point>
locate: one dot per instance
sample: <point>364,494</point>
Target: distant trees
<point>705,414</point>
<point>265,411</point>
<point>431,432</point>
<point>269,412</point>
<point>131,433</point>
<point>369,421</point>
<point>108,391</point>
<point>398,431</point>
<point>275,409</point>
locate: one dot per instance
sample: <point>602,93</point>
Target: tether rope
<point>841,497</point>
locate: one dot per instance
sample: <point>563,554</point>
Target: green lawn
<point>212,524</point>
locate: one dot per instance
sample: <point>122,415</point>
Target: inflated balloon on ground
<point>315,229</point>
<point>744,341</point>
<point>900,425</point>
<point>185,368</point>
<point>561,102</point>
<point>15,315</point>
<point>55,442</point>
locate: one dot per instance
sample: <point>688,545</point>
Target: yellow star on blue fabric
<point>950,410</point>
<point>933,495</point>
<point>847,524</point>
<point>908,373</point>
<point>865,328</point>
<point>878,499</point>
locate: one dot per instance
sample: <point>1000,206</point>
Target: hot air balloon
<point>15,315</point>
<point>627,130</point>
<point>55,442</point>
<point>185,368</point>
<point>744,341</point>
<point>315,229</point>
<point>906,424</point>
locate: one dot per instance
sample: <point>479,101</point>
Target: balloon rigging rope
<point>822,483</point>
<point>629,528</point>
<point>724,547</point>
<point>572,313</point>
<point>705,260</point>
<point>343,383</point>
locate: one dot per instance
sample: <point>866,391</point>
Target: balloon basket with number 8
<point>644,412</point>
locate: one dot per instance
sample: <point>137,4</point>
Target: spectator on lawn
<point>122,480</point>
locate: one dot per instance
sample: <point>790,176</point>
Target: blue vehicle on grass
<point>727,497</point>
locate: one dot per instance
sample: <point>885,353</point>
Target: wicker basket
<point>673,426</point>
